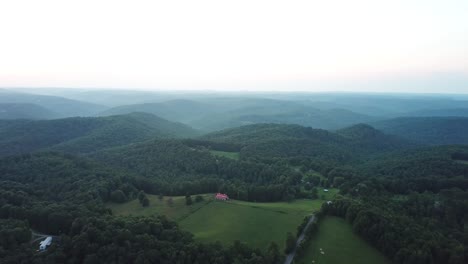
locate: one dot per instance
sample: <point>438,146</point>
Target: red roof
<point>222,196</point>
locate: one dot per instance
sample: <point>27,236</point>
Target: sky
<point>326,45</point>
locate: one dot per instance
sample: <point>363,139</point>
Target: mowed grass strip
<point>256,224</point>
<point>340,245</point>
<point>226,154</point>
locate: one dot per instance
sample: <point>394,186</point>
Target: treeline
<point>108,239</point>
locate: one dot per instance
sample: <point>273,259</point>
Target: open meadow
<point>256,224</point>
<point>335,238</point>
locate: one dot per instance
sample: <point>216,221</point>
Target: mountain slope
<point>178,110</point>
<point>85,134</point>
<point>439,112</point>
<point>62,106</point>
<point>25,111</point>
<point>221,113</point>
<point>325,119</point>
<point>427,130</point>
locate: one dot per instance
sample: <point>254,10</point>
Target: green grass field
<point>462,161</point>
<point>177,211</point>
<point>340,245</point>
<point>229,155</point>
<point>256,224</point>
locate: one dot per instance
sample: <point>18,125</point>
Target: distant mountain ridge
<point>61,106</point>
<point>427,130</point>
<point>25,111</point>
<point>220,113</point>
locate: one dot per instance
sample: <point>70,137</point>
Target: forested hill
<point>63,195</point>
<point>25,111</point>
<point>423,169</point>
<point>175,168</point>
<point>212,114</point>
<point>280,140</point>
<point>85,134</point>
<point>63,107</point>
<point>427,130</point>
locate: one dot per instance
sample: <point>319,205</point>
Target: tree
<point>141,196</point>
<point>314,193</point>
<point>145,202</point>
<point>290,243</point>
<point>170,202</point>
<point>198,198</point>
<point>118,196</point>
<point>273,254</point>
<point>188,200</point>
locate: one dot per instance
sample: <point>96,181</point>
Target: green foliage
<point>278,140</point>
<point>199,198</point>
<point>290,243</point>
<point>339,244</point>
<point>174,168</point>
<point>188,200</point>
<point>118,196</point>
<point>85,135</point>
<point>145,202</point>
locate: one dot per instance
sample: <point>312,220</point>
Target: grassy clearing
<point>340,245</point>
<point>229,155</point>
<point>177,211</point>
<point>256,224</point>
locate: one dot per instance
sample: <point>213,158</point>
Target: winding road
<point>290,256</point>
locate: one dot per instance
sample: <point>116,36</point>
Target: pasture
<point>256,224</point>
<point>340,245</point>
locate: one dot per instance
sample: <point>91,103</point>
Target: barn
<point>221,196</point>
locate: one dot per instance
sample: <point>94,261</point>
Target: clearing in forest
<point>256,224</point>
<point>335,243</point>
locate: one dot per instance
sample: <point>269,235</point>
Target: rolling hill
<point>63,107</point>
<point>85,134</point>
<point>25,111</point>
<point>427,130</point>
<point>280,140</point>
<point>219,113</point>
<point>439,112</point>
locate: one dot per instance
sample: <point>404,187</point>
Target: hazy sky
<point>400,45</point>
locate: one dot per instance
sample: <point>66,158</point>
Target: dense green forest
<point>63,195</point>
<point>403,182</point>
